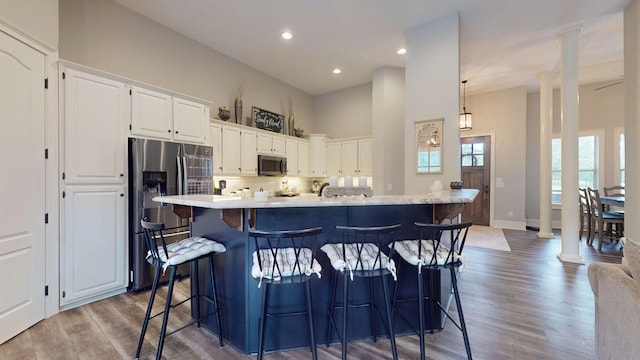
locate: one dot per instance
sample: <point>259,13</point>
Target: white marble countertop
<point>229,202</point>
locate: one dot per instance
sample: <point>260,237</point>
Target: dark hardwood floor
<point>523,304</point>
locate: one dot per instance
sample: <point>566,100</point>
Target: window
<point>620,154</point>
<point>472,154</point>
<point>588,160</point>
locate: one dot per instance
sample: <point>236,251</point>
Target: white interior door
<point>22,228</point>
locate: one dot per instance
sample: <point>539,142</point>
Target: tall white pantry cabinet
<point>93,253</point>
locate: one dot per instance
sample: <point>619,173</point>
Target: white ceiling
<point>504,43</point>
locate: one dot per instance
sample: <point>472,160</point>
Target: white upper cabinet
<point>351,157</point>
<point>334,158</point>
<point>95,112</point>
<point>317,165</point>
<point>190,121</point>
<point>162,116</point>
<point>365,157</point>
<point>215,141</point>
<point>271,144</point>
<point>249,153</point>
<point>303,158</point>
<point>151,114</point>
<point>231,149</point>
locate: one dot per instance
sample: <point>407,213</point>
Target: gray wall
<point>106,36</point>
<point>38,19</point>
<point>598,110</point>
<point>344,113</point>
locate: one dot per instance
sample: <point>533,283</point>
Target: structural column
<point>569,120</point>
<point>632,119</point>
<point>546,118</point>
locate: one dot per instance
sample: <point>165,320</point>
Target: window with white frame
<point>589,156</point>
<point>619,156</point>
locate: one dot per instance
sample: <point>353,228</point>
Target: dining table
<point>612,200</point>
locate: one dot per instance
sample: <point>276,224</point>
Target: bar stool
<point>359,255</point>
<point>439,247</point>
<point>285,257</point>
<point>163,256</point>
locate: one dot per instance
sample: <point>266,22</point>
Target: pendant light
<point>465,117</point>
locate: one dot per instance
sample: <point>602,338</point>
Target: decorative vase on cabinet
<point>238,109</point>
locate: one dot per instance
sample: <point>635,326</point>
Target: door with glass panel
<point>475,159</point>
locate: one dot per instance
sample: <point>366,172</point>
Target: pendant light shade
<point>465,117</point>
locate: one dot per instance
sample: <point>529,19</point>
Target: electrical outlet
<point>389,186</point>
<point>510,214</point>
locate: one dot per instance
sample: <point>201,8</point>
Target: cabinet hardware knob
<point>177,132</point>
<point>121,175</point>
<point>121,194</point>
<point>169,130</point>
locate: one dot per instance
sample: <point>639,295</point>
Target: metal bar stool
<point>359,255</point>
<point>285,257</point>
<point>439,247</point>
<point>170,256</point>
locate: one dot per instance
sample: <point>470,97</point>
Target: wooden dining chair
<point>586,220</point>
<point>602,218</point>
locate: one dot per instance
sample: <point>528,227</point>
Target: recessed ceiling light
<point>287,35</point>
<point>337,71</point>
<point>402,51</point>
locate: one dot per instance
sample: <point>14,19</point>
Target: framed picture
<point>267,120</point>
<point>428,145</point>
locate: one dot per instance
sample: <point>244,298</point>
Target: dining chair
<point>585,214</point>
<point>601,220</point>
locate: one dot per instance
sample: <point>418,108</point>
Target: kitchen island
<point>228,220</point>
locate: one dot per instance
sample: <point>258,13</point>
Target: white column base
<point>545,235</point>
<point>571,258</point>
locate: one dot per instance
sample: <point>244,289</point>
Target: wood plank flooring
<point>523,304</point>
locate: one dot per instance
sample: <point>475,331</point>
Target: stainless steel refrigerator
<point>162,168</point>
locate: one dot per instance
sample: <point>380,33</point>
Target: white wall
<point>104,35</point>
<point>344,113</point>
<point>37,19</point>
<point>432,91</point>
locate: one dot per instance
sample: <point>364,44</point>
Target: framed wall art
<point>428,145</point>
<point>267,120</point>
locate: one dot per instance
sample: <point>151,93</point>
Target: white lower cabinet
<point>93,258</point>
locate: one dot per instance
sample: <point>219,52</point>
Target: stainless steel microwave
<point>272,165</point>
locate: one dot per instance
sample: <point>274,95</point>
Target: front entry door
<point>476,174</point>
<point>22,214</point>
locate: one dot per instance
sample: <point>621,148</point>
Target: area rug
<point>487,237</point>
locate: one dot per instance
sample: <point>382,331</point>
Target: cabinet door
<point>303,158</point>
<point>334,158</point>
<point>365,157</point>
<point>95,113</point>
<point>231,148</point>
<point>292,157</point>
<point>279,145</point>
<point>190,121</point>
<point>151,114</point>
<point>249,153</point>
<point>350,158</point>
<point>264,144</point>
<point>317,158</point>
<point>215,141</point>
<point>93,259</point>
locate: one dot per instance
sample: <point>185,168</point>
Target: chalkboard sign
<point>266,120</point>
